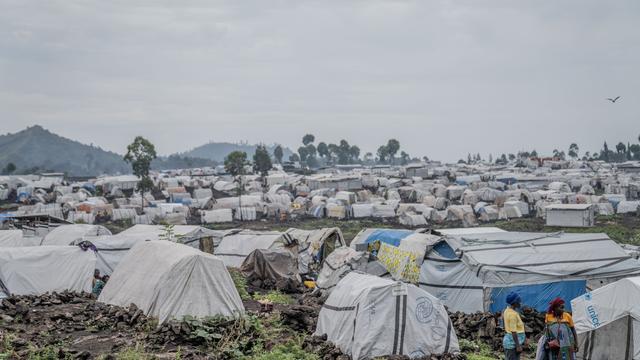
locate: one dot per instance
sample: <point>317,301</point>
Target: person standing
<point>514,338</point>
<point>561,337</point>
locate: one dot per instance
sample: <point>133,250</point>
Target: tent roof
<point>235,247</point>
<point>607,304</point>
<point>70,234</point>
<point>520,257</point>
<point>35,270</point>
<point>165,279</point>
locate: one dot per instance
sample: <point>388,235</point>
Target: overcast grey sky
<point>443,77</point>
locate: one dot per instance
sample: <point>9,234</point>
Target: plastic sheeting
<point>174,288</point>
<point>37,270</point>
<point>73,234</point>
<point>537,296</point>
<point>360,314</point>
<point>609,314</point>
<point>15,238</point>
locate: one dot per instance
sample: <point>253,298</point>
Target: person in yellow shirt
<point>514,337</point>
<point>561,337</point>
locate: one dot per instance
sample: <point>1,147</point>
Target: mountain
<point>36,149</point>
<point>217,151</point>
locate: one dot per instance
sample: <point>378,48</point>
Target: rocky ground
<point>280,320</point>
<point>76,326</point>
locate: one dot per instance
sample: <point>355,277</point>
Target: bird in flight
<point>614,99</point>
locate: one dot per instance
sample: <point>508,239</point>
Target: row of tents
<point>406,277</point>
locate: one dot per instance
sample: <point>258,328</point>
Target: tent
<point>236,246</point>
<point>607,321</point>
<point>35,270</point>
<point>367,316</point>
<point>169,280</point>
<point>112,248</point>
<point>15,238</point>
<point>310,246</point>
<point>315,245</point>
<point>273,265</point>
<point>475,272</point>
<point>73,234</point>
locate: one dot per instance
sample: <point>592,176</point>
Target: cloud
<point>445,78</point>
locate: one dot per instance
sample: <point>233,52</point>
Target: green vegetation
<point>240,282</point>
<point>275,297</point>
<point>133,353</point>
<point>476,350</point>
<point>288,351</point>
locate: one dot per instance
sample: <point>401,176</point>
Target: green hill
<point>217,151</point>
<point>36,149</point>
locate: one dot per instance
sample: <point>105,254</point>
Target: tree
<point>621,148</point>
<point>393,146</point>
<point>382,154</point>
<point>278,154</point>
<point>354,153</point>
<point>573,150</point>
<point>503,159</point>
<point>490,158</point>
<point>262,161</point>
<point>9,169</point>
<point>323,149</point>
<point>368,157</point>
<point>235,162</point>
<point>469,158</point>
<point>308,139</point>
<point>404,158</point>
<point>556,153</point>
<point>303,152</point>
<point>534,153</point>
<point>140,154</point>
<point>294,158</point>
<point>635,151</point>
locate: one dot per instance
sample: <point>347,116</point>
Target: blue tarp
<point>89,187</point>
<point>391,237</point>
<point>443,249</point>
<point>539,296</point>
<point>507,180</point>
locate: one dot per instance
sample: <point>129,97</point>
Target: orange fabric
<point>566,318</point>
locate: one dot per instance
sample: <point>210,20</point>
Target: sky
<point>445,78</point>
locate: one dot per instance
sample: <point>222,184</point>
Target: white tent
<point>73,234</point>
<point>236,246</point>
<point>36,270</point>
<point>607,321</point>
<point>367,316</point>
<point>113,248</point>
<point>170,280</point>
<point>15,238</point>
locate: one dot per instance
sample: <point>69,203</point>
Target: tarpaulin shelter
<point>35,270</point>
<point>15,238</point>
<point>111,249</point>
<point>607,321</point>
<point>367,316</point>
<point>475,272</point>
<point>73,234</point>
<point>169,280</point>
<point>274,265</point>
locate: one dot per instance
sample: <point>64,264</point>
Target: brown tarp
<point>265,264</point>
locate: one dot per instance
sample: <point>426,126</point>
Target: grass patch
<point>288,351</point>
<point>240,282</point>
<point>133,353</point>
<point>275,297</point>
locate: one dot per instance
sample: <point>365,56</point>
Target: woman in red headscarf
<point>561,337</point>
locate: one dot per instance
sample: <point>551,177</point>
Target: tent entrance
<point>612,341</point>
